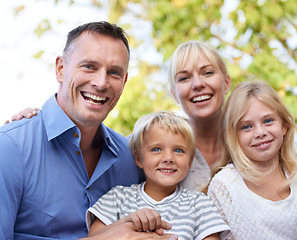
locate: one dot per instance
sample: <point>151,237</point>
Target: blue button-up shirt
<point>44,185</point>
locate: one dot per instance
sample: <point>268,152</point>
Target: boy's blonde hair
<point>235,107</point>
<point>190,51</point>
<point>166,120</point>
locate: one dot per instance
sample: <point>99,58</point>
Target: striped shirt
<point>191,214</point>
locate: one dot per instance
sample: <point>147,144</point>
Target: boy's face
<point>165,159</point>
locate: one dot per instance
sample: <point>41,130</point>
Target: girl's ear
<point>285,129</point>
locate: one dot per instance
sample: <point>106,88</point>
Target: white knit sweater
<point>250,216</point>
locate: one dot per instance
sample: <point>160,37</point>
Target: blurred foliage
<point>255,37</point>
<point>141,96</point>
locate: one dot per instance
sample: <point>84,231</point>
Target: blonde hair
<point>166,120</point>
<point>235,107</point>
<point>190,51</point>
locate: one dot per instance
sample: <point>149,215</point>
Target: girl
<point>256,190</point>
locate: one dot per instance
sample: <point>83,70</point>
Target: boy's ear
<point>137,161</point>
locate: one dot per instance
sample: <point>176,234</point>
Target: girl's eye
<point>267,121</point>
<point>246,127</point>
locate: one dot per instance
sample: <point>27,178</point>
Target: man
<point>54,166</point>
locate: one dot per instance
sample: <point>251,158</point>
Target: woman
<point>199,81</point>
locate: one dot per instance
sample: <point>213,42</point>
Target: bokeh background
<point>257,39</point>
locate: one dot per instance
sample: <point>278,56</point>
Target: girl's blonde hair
<point>166,120</point>
<point>235,107</point>
<point>190,51</point>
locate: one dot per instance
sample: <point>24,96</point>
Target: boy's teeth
<point>166,170</point>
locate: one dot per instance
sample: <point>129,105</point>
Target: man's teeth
<point>201,98</point>
<point>94,97</point>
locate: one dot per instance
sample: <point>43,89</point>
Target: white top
<point>199,174</point>
<point>192,215</point>
<point>250,216</point>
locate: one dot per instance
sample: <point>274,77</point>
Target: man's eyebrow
<point>88,61</point>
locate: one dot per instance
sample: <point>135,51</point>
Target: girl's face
<point>165,158</point>
<point>260,133</point>
<point>201,91</point>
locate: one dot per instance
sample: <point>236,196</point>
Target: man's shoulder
<point>115,138</point>
<point>24,124</point>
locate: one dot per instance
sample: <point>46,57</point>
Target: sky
<point>25,81</point>
<point>29,82</point>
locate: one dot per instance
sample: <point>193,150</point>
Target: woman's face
<point>201,90</point>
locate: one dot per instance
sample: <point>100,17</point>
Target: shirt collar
<point>55,119</point>
<point>57,122</point>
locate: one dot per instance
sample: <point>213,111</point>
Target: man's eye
<point>88,66</point>
<point>114,73</point>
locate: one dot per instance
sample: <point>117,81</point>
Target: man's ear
<point>60,69</point>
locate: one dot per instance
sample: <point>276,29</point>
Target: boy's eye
<point>156,149</point>
<point>178,150</point>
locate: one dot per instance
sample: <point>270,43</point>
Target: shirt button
<point>75,135</point>
<point>78,152</point>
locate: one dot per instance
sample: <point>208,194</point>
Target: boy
<point>163,145</point>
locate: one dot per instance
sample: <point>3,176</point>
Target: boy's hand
<point>147,220</point>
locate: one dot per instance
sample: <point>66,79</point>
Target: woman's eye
<point>181,79</point>
<point>209,73</point>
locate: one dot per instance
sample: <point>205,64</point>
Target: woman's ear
<point>228,82</point>
<point>174,96</point>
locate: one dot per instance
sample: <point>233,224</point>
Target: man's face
<point>92,77</point>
